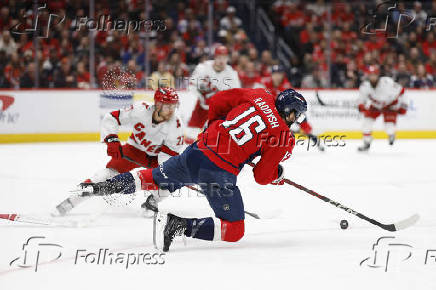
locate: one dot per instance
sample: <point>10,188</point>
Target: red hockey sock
<point>232,231</point>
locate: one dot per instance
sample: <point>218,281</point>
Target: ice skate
<point>165,228</point>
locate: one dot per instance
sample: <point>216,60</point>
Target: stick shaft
<point>390,227</point>
<point>28,219</point>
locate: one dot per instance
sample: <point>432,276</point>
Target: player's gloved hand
<point>114,148</point>
<point>281,177</point>
<point>362,108</point>
<point>402,111</point>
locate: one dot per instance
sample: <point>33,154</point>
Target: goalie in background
<point>380,96</point>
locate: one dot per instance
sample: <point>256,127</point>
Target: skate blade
<point>159,222</point>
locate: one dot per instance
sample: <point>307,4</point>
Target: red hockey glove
<point>281,177</point>
<point>402,111</point>
<point>114,148</point>
<point>362,108</point>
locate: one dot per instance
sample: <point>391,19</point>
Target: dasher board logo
<point>5,102</point>
<point>6,116</point>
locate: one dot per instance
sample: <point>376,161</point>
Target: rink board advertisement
<point>74,115</point>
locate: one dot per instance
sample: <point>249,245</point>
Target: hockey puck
<point>344,224</point>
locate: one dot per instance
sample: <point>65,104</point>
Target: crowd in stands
<point>178,42</point>
<point>404,49</point>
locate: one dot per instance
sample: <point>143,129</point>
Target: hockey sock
<point>367,138</point>
<point>203,228</point>
<point>124,183</point>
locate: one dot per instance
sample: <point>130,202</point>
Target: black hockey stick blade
<point>319,99</point>
<point>255,215</point>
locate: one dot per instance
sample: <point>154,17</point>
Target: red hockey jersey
<point>243,124</point>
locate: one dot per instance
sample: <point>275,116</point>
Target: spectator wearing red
<point>249,77</point>
<point>5,19</point>
<point>13,71</point>
<point>429,45</point>
<point>292,16</point>
<point>277,82</point>
<point>83,78</point>
<point>265,63</point>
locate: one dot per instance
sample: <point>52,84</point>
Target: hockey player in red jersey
<point>156,135</point>
<point>380,96</point>
<point>243,124</point>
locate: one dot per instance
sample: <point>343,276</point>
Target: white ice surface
<point>296,245</point>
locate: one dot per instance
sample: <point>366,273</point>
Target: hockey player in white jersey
<point>157,134</point>
<point>380,96</point>
<point>208,78</point>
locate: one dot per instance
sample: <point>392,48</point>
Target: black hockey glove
<point>280,179</point>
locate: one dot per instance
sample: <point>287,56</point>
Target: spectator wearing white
<point>230,21</point>
<point>7,43</point>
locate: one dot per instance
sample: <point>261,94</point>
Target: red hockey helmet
<point>221,50</point>
<point>166,96</point>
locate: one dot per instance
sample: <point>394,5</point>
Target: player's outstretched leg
<point>75,199</point>
<point>124,183</point>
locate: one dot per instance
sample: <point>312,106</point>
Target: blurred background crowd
<point>326,39</point>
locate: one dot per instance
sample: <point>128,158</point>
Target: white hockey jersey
<point>387,93</point>
<point>146,136</point>
<point>205,81</point>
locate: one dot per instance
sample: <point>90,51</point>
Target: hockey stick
<point>401,225</point>
<point>324,104</point>
<point>254,215</point>
<point>35,220</point>
<point>319,99</point>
